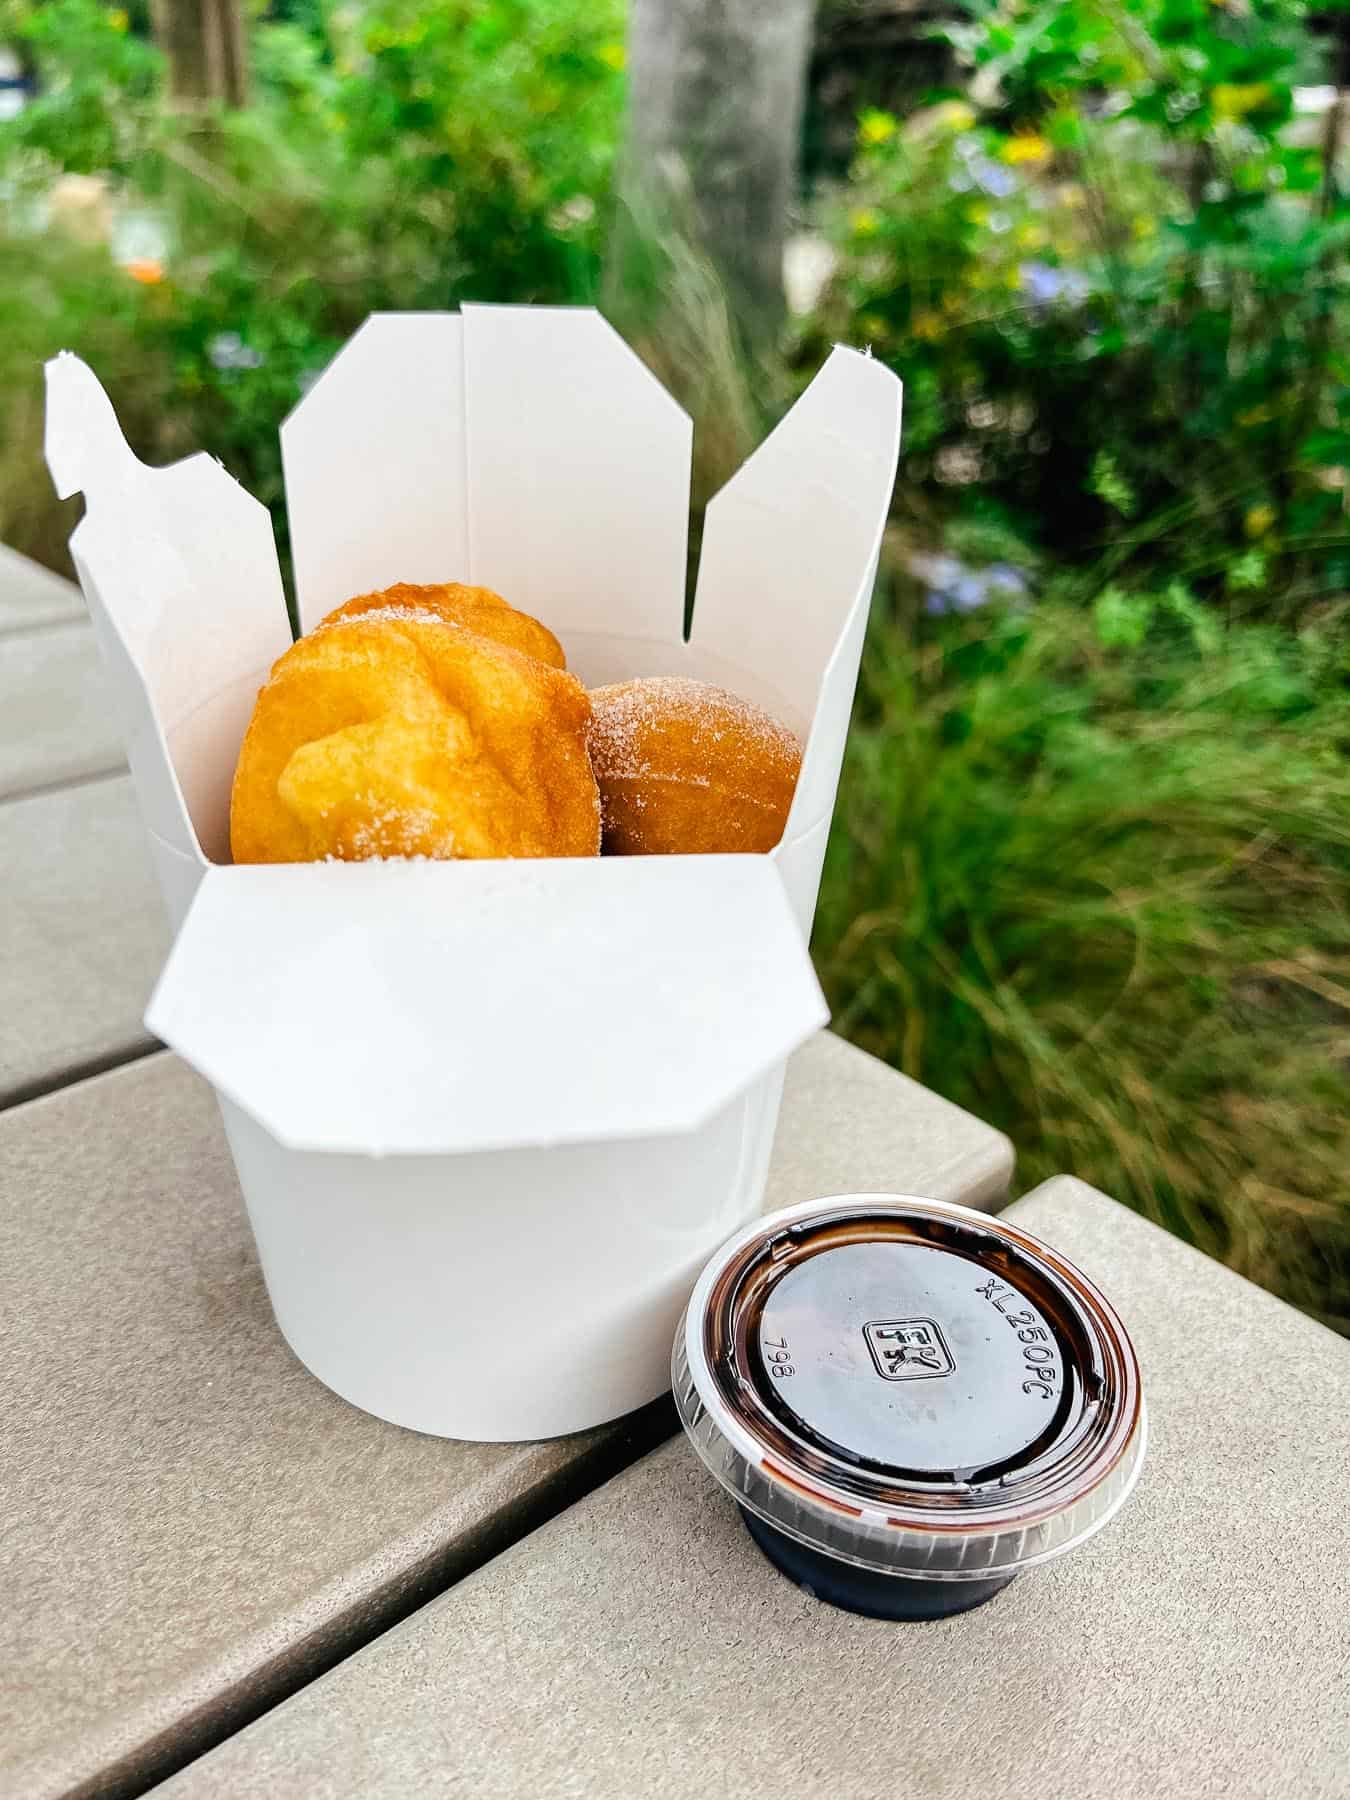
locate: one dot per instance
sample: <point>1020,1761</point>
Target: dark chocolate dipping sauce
<point>911,1402</point>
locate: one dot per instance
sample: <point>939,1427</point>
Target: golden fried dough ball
<point>385,734</point>
<point>478,608</point>
<point>685,768</point>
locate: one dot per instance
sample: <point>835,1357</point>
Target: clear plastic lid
<point>910,1387</point>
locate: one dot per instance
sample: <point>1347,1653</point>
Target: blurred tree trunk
<point>204,43</point>
<point>714,125</point>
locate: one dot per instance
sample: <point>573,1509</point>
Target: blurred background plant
<point>1112,274</point>
<point>399,154</point>
<point>1091,870</point>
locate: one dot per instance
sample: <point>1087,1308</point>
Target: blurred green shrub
<point>1117,291</point>
<point>1090,877</point>
<point>99,85</point>
<point>412,154</point>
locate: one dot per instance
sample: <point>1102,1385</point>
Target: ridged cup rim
<point>1062,1497</point>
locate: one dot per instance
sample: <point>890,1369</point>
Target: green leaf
<point>1107,483</point>
<point>1205,631</point>
<point>1122,619</point>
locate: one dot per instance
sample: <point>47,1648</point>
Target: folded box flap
<point>444,1007</point>
<point>178,564</point>
<point>790,552</point>
<point>523,448</point>
<point>579,469</point>
<point>374,459</point>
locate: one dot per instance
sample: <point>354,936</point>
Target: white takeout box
<point>489,1118</point>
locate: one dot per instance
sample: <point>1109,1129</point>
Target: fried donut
<point>478,608</point>
<point>393,733</point>
<point>685,768</point>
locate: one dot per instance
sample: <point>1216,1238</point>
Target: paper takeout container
<point>489,1118</point>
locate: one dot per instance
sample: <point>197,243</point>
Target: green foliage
<point>102,80</point>
<point>1114,280</point>
<point>415,155</point>
<point>497,120</point>
<point>1090,876</point>
<point>1090,873</point>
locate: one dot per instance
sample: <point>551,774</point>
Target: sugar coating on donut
<point>423,614</point>
<point>685,767</point>
<point>397,733</point>
<point>477,609</point>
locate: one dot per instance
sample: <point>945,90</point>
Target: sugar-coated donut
<point>476,607</point>
<point>685,768</point>
<point>394,732</point>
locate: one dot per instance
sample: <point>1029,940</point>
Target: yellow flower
<point>1143,227</point>
<point>613,56</point>
<point>876,127</point>
<point>1259,520</point>
<point>118,19</point>
<point>954,115</point>
<point>926,324</point>
<point>1026,147</point>
<point>1234,100</point>
<point>1032,237</point>
<point>866,222</point>
<point>148,270</point>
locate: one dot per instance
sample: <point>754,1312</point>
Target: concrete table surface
<point>851,1125</point>
<point>194,1525</point>
<point>56,715</point>
<point>82,934</point>
<point>640,1645</point>
<point>32,595</point>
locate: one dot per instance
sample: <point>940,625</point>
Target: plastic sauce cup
<point>910,1402</point>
